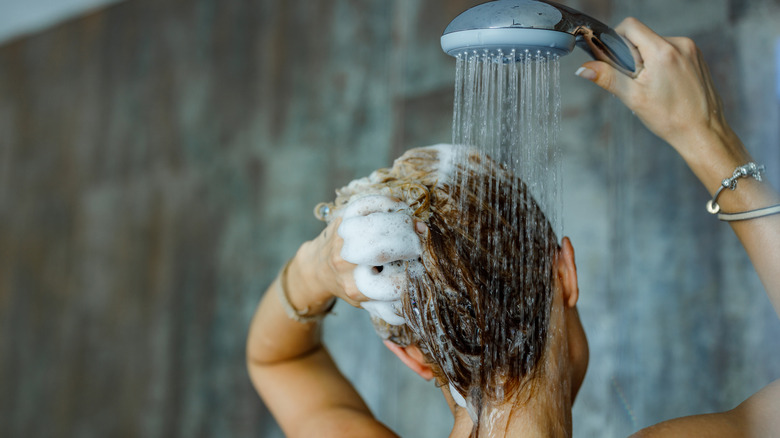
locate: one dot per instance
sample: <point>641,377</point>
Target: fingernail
<point>586,73</point>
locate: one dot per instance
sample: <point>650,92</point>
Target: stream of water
<point>511,111</point>
<point>507,113</point>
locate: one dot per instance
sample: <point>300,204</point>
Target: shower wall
<point>159,162</point>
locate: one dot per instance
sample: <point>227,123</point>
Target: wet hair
<point>480,308</point>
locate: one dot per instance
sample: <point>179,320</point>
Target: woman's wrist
<point>713,156</point>
<point>302,289</point>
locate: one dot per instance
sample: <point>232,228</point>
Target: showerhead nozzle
<point>504,41</point>
<point>501,26</point>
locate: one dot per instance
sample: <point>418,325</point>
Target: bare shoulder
<point>755,417</point>
<point>344,423</point>
<point>709,425</point>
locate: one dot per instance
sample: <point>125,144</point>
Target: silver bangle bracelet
<point>748,170</point>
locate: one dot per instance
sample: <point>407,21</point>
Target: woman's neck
<point>540,409</point>
<point>546,414</point>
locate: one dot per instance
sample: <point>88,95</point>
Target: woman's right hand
<point>673,95</point>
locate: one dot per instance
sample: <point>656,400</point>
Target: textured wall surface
<point>159,162</point>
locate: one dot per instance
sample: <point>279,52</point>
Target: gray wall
<point>159,162</point>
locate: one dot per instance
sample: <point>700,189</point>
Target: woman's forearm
<point>273,335</point>
<point>717,157</point>
<point>292,371</point>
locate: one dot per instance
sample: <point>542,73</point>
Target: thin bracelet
<point>752,214</point>
<point>750,169</point>
<point>293,313</point>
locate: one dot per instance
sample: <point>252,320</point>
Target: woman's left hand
<point>319,273</point>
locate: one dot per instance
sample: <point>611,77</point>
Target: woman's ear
<point>567,273</point>
<point>413,358</point>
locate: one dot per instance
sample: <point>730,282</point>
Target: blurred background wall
<point>159,162</point>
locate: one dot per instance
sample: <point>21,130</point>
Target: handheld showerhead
<point>501,26</point>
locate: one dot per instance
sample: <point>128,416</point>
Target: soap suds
<point>365,205</point>
<point>380,238</point>
<point>457,397</point>
<point>387,285</point>
<point>446,154</point>
<point>388,311</point>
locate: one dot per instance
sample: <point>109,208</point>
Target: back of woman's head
<point>480,307</point>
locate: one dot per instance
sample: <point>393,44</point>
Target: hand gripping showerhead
<point>502,26</point>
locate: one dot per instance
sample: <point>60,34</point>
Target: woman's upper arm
<point>309,396</point>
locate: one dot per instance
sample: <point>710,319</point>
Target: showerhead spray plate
<point>504,41</point>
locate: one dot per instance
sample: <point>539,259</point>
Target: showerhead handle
<point>600,41</point>
<point>492,26</point>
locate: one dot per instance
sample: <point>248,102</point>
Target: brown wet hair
<point>480,310</point>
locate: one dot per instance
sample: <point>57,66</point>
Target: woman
<point>674,98</point>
